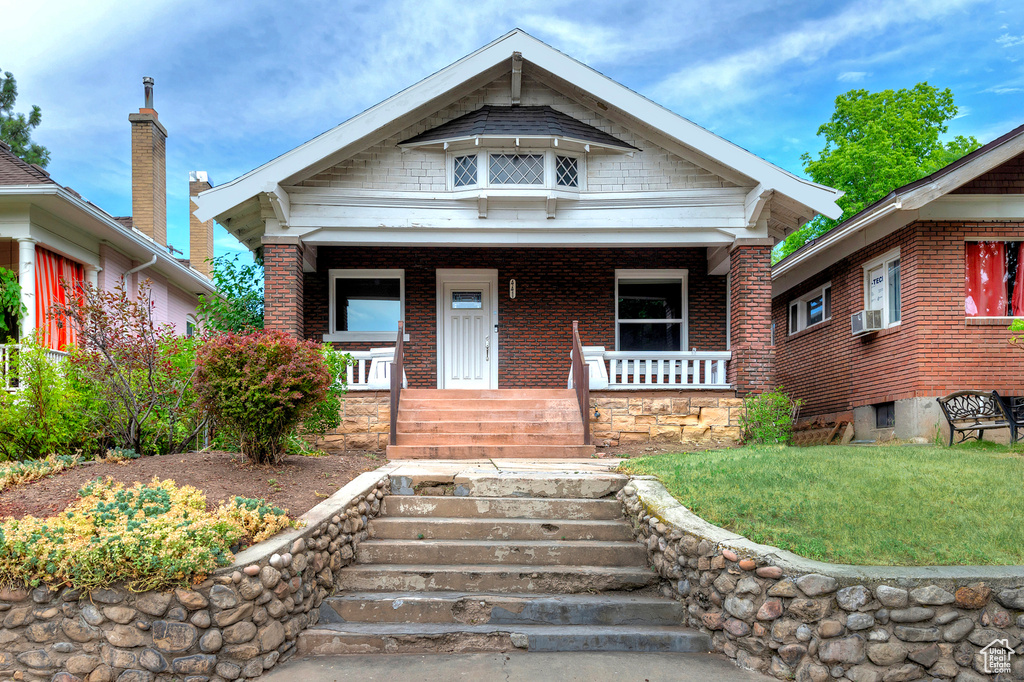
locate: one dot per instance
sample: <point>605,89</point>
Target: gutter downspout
<point>139,268</point>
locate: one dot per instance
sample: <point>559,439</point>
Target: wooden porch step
<point>489,451</point>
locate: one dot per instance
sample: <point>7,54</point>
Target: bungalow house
<point>50,233</point>
<point>489,207</point>
<point>908,300</point>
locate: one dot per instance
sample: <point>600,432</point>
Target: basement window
<point>885,415</point>
<point>365,305</point>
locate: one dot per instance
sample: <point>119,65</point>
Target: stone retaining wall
<point>793,618</point>
<point>239,622</point>
<point>365,423</point>
<point>687,417</point>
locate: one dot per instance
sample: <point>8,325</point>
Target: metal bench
<point>977,411</point>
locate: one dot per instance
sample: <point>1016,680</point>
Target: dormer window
<point>464,171</point>
<point>516,169</point>
<point>567,171</point>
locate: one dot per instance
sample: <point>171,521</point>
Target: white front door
<point>467,344</point>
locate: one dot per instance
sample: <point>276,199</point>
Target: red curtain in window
<point>1017,301</point>
<point>985,279</point>
<point>51,270</point>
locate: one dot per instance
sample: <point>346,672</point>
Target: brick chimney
<point>149,170</point>
<point>200,234</point>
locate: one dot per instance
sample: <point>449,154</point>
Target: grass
<point>890,505</point>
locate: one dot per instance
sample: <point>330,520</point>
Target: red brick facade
<point>750,294</point>
<point>554,287</point>
<point>935,349</point>
<point>283,288</point>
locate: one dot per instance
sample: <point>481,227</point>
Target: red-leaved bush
<point>261,385</point>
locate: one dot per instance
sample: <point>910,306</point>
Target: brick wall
<point>750,330</point>
<point>934,351</point>
<point>283,288</point>
<point>554,287</point>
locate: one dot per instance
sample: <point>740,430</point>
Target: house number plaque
<point>511,288</point>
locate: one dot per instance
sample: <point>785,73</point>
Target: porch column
<point>92,275</point>
<point>27,281</point>
<point>750,291</point>
<point>282,283</point>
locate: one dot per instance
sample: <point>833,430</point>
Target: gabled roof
<point>14,171</point>
<point>909,198</point>
<point>434,92</point>
<point>494,120</point>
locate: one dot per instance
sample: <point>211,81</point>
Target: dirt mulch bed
<point>297,484</point>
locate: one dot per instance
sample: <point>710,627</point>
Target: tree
<point>876,142</point>
<point>238,307</point>
<point>16,129</point>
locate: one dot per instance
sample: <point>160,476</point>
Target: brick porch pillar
<point>282,284</point>
<point>750,291</point>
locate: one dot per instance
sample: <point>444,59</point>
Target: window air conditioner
<point>866,322</point>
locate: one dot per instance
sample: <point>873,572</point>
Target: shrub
<point>51,413</point>
<point>769,417</point>
<point>326,414</point>
<point>260,386</point>
<point>17,473</point>
<point>257,519</point>
<point>140,371</point>
<point>149,536</point>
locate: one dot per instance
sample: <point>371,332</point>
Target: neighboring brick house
<point>940,259</point>
<point>50,233</point>
<point>511,193</point>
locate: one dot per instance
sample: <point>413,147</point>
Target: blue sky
<point>238,83</point>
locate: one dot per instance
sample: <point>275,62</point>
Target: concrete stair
<point>503,564</point>
<point>468,424</point>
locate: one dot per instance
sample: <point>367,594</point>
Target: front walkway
<point>516,666</point>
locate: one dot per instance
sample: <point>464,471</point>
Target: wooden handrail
<point>581,381</point>
<point>397,374</point>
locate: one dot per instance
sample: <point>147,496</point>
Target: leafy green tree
<point>16,129</point>
<point>239,306</point>
<point>876,142</point>
<point>11,308</point>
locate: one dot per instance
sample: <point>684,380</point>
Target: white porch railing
<point>623,370</point>
<point>8,364</point>
<point>371,370</point>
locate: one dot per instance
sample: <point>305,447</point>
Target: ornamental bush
<point>149,537</point>
<point>260,386</point>
<point>769,417</point>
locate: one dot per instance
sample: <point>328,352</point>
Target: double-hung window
<point>810,309</point>
<point>882,287</point>
<point>993,279</point>
<point>650,310</point>
<point>365,305</point>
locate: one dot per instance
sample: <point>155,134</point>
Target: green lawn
<point>888,505</point>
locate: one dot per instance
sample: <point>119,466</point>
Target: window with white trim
<point>650,310</point>
<point>516,168</point>
<point>810,309</point>
<point>882,287</point>
<point>993,278</point>
<point>365,305</point>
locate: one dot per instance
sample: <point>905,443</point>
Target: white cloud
<point>1007,40</point>
<point>852,76</point>
<point>739,77</point>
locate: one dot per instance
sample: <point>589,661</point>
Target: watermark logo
<point>996,657</point>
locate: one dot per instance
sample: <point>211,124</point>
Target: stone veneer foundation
<point>242,620</point>
<point>780,614</point>
<point>685,417</point>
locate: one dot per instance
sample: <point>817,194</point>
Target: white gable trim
<point>219,200</point>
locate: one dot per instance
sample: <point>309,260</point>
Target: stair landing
<point>483,424</point>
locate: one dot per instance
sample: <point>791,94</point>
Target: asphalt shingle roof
<point>14,171</point>
<point>507,120</point>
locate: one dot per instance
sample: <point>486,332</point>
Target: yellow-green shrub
<point>16,473</point>
<point>147,536</point>
<point>256,518</point>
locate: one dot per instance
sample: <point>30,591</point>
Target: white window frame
<point>333,275</point>
<point>483,168</point>
<point>884,260</point>
<point>682,275</point>
<point>801,309</point>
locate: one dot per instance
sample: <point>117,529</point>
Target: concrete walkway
<point>612,666</point>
